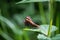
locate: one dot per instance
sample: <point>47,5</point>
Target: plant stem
<point>51,12</point>
<point>57,23</point>
<point>25,35</point>
<point>50,26</point>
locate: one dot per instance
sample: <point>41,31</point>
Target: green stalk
<point>18,37</point>
<point>42,14</point>
<point>50,26</point>
<point>51,12</point>
<point>51,8</point>
<point>57,23</point>
<point>25,35</point>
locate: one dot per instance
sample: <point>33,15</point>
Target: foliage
<point>46,13</point>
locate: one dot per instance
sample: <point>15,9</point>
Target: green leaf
<point>10,24</point>
<point>4,35</point>
<point>43,29</point>
<point>13,27</point>
<point>30,1</point>
<point>57,37</point>
<point>43,37</point>
<point>27,29</point>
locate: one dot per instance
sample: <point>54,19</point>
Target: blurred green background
<point>13,13</point>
